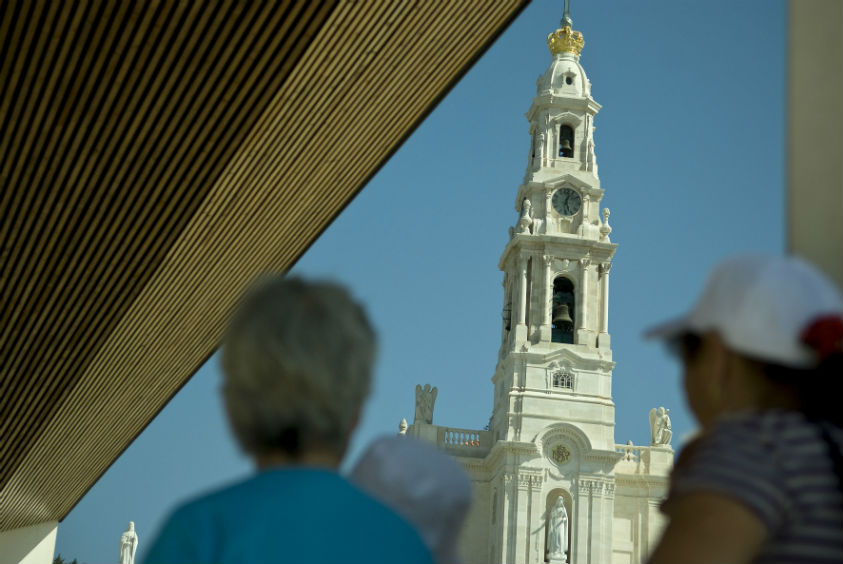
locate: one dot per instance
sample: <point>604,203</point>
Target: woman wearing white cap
<point>762,372</point>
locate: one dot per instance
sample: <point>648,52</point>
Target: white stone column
<point>541,150</point>
<point>603,340</point>
<point>547,311</point>
<point>656,522</point>
<point>602,521</point>
<point>522,290</point>
<point>548,217</point>
<point>522,532</point>
<point>581,541</point>
<point>538,524</point>
<point>508,519</point>
<point>582,230</point>
<point>521,326</point>
<point>583,333</point>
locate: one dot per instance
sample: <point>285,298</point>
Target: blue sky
<point>690,146</point>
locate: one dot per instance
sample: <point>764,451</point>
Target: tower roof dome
<point>564,77</point>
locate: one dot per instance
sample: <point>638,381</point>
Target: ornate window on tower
<point>563,379</point>
<point>566,141</point>
<point>562,318</point>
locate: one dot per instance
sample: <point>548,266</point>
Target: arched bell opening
<point>558,529</point>
<point>566,141</point>
<point>563,311</point>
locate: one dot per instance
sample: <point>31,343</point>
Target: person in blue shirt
<point>297,361</point>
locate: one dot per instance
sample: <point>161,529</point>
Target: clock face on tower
<point>567,201</point>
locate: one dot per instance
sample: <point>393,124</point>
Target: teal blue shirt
<point>287,515</point>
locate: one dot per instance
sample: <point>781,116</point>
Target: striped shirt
<point>777,464</point>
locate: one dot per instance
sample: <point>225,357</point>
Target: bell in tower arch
<point>566,141</point>
<point>562,316</point>
<point>562,311</point>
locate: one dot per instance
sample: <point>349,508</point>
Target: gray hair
<point>297,359</point>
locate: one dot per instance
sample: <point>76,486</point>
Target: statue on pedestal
<point>128,545</point>
<point>660,427</point>
<point>557,532</point>
<point>425,398</point>
<point>525,222</point>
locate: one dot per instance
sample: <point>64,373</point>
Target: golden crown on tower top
<point>565,40</point>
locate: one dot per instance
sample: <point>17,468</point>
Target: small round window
<point>569,80</point>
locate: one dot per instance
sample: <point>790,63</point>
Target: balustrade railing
<point>630,452</point>
<point>634,460</point>
<point>653,460</point>
<point>467,441</point>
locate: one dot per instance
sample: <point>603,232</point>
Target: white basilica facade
<point>550,484</point>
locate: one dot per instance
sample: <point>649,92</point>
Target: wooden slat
<point>163,154</point>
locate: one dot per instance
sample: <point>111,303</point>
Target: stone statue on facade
<point>128,545</point>
<point>542,143</point>
<point>660,426</point>
<point>425,398</point>
<point>402,428</point>
<point>557,532</point>
<point>525,222</point>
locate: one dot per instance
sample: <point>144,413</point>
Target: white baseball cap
<point>776,309</point>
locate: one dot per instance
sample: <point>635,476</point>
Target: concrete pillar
<point>35,544</point>
<point>814,136</point>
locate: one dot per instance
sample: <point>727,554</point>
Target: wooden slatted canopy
<point>154,157</point>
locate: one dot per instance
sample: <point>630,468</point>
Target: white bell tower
<point>551,485</point>
<point>553,380</point>
<point>555,356</point>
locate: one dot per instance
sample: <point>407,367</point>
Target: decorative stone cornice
<point>502,449</point>
<point>605,457</point>
<point>598,488</point>
<point>527,478</point>
<point>646,482</point>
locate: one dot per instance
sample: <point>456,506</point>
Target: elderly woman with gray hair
<point>297,361</point>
